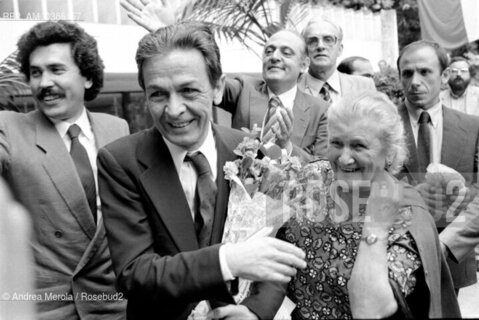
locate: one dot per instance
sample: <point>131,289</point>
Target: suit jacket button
<point>58,234</point>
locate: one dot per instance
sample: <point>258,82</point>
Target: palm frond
<point>11,82</point>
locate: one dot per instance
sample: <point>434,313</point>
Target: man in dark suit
<point>440,135</point>
<point>284,60</point>
<point>164,210</point>
<point>72,260</point>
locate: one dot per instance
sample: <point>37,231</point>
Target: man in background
<point>356,65</point>
<point>460,95</point>
<point>437,134</point>
<point>250,100</point>
<point>324,44</point>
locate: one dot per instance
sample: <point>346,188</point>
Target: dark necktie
<point>206,194</point>
<point>82,163</point>
<point>271,119</point>
<point>423,143</point>
<point>325,92</point>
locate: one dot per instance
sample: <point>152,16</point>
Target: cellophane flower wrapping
<point>268,192</point>
<point>448,181</point>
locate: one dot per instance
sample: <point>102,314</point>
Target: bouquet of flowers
<point>267,192</point>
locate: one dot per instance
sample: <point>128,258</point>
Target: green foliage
<point>249,21</point>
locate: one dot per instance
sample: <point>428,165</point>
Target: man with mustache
<point>48,159</point>
<point>436,134</point>
<point>324,45</point>
<point>460,95</point>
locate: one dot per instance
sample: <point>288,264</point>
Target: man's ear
<point>218,90</point>
<point>305,64</point>
<point>88,84</point>
<point>446,74</point>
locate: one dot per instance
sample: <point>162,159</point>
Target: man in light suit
<point>324,44</point>
<point>165,238</point>
<point>284,60</point>
<point>72,260</point>
<point>454,140</point>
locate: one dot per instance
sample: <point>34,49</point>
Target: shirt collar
<point>435,112</point>
<point>315,84</point>
<point>83,122</point>
<point>333,82</point>
<point>208,149</point>
<point>286,98</point>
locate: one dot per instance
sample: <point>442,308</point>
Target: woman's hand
<point>153,14</point>
<point>370,293</point>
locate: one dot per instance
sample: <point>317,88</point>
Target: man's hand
<point>232,312</point>
<point>152,14</point>
<point>264,259</point>
<point>282,129</point>
<point>285,130</point>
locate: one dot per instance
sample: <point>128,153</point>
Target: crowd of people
<point>130,226</point>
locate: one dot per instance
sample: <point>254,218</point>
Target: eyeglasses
<point>456,71</point>
<point>326,39</point>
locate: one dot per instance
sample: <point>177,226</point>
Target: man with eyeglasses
<point>324,45</point>
<point>460,95</point>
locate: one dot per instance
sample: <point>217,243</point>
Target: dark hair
<point>459,58</point>
<point>440,52</point>
<point>346,66</point>
<point>184,35</point>
<point>83,48</point>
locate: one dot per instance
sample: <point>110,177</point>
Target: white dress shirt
<point>436,126</point>
<point>467,103</point>
<point>189,177</point>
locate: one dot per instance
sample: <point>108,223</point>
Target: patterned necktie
<point>206,194</point>
<point>423,142</point>
<point>325,92</point>
<point>271,119</point>
<point>84,169</point>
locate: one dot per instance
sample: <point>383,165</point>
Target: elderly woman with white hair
<point>375,252</point>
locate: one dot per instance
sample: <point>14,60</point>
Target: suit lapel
<point>452,139</point>
<point>62,172</point>
<point>258,104</point>
<point>300,113</point>
<point>162,184</point>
